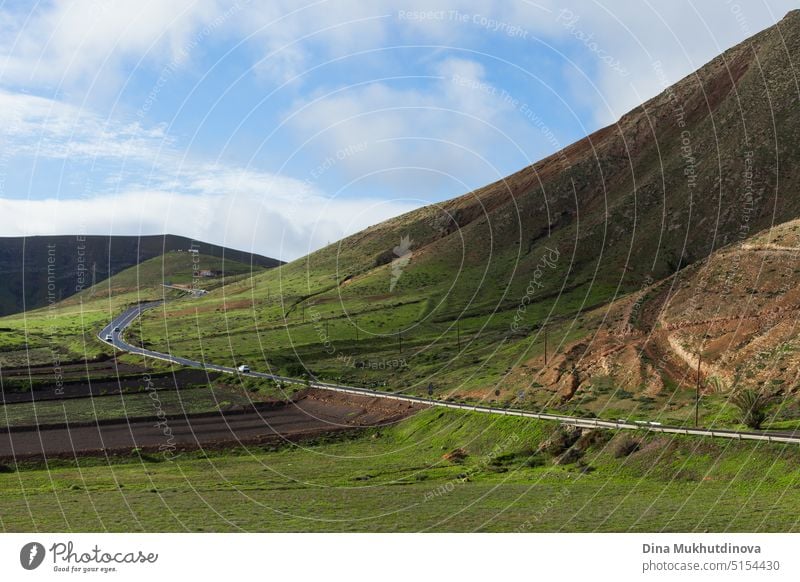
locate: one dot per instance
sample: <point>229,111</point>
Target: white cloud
<point>289,34</point>
<point>46,127</point>
<point>162,190</point>
<point>281,227</point>
<point>81,40</point>
<point>442,131</point>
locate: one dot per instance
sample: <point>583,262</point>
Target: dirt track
<point>314,413</point>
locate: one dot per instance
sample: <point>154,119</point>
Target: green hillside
<point>41,270</point>
<point>460,294</point>
<point>68,329</point>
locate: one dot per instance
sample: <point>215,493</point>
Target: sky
<point>279,126</point>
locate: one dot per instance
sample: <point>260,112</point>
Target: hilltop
<point>40,270</point>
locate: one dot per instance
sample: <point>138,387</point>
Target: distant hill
<point>36,271</point>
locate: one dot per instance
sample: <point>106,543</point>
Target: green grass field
<point>397,479</point>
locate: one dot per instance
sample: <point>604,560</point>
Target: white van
<point>244,369</point>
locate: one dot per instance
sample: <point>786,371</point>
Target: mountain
<point>40,270</point>
<point>463,293</point>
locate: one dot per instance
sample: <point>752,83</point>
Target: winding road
<point>116,328</point>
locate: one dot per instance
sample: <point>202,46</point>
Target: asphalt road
<point>125,319</point>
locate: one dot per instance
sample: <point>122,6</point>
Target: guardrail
<point>127,317</point>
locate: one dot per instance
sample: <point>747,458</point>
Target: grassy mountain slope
<point>459,293</point>
<point>36,271</point>
<point>734,315</point>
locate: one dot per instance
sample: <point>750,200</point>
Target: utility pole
<point>400,340</point>
<point>697,393</point>
<point>304,312</point>
<point>327,330</point>
<point>458,333</point>
<point>545,345</point>
<point>355,323</point>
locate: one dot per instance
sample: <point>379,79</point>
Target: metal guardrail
<point>126,318</point>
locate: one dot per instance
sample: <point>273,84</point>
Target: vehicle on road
<point>109,338</point>
<point>243,369</point>
<point>117,329</point>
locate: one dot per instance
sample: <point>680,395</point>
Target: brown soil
<point>314,412</point>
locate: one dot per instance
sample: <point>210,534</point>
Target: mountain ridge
<point>41,270</point>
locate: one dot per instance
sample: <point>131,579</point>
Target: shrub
<point>571,455</point>
<point>753,406</point>
<point>625,446</point>
<point>591,438</point>
<point>535,461</point>
<point>500,460</point>
<point>296,370</point>
<point>561,440</point>
<point>455,456</point>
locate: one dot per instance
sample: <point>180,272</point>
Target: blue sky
<point>280,126</point>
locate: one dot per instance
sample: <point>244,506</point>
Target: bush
<point>753,406</point>
<point>456,456</point>
<point>571,455</point>
<point>296,370</point>
<point>561,440</point>
<point>625,446</point>
<point>500,460</point>
<point>591,438</point>
<point>535,461</point>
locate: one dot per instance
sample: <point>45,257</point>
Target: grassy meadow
<point>436,471</point>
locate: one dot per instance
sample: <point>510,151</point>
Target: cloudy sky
<point>280,125</point>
